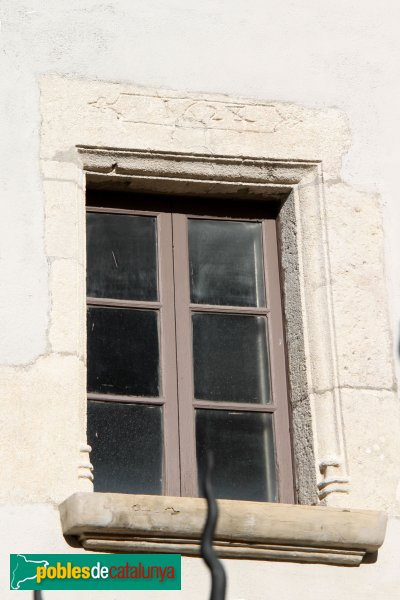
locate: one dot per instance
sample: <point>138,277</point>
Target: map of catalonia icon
<point>24,569</point>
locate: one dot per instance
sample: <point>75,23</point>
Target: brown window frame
<point>175,309</point>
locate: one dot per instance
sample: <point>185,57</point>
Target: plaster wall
<point>329,67</point>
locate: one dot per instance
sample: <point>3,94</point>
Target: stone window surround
<point>309,353</point>
<point>298,535</point>
<point>103,154</point>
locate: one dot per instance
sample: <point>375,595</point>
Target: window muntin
<point>261,370</point>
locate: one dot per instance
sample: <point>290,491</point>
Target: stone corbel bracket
<point>334,483</point>
<point>251,530</point>
<point>85,468</point>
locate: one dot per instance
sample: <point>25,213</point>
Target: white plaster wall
<point>331,54</point>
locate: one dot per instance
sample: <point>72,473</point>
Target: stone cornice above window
<point>187,173</point>
<point>250,530</point>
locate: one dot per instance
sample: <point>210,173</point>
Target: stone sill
<point>249,530</point>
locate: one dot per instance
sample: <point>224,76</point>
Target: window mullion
<point>187,434</point>
<point>168,356</point>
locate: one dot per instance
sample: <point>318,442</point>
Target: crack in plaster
<point>21,368</point>
<point>319,392</point>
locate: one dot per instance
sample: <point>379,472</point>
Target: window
<point>185,347</point>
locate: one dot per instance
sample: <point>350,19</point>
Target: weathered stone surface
<point>112,115</point>
<point>68,307</point>
<point>42,421</point>
<point>356,255</point>
<point>245,529</point>
<point>62,231</point>
<point>373,450</point>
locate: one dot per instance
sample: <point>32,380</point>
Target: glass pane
<point>243,450</point>
<point>121,257</point>
<point>230,357</point>
<point>126,442</point>
<point>226,263</point>
<point>123,351</point>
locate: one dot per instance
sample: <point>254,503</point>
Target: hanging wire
<point>218,578</point>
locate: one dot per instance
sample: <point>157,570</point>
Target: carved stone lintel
<point>192,113</point>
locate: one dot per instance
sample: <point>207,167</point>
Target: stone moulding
<point>85,466</point>
<point>251,530</point>
<point>173,172</point>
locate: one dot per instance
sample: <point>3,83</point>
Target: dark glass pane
<point>127,443</point>
<point>226,263</point>
<point>123,351</point>
<point>230,357</point>
<point>242,446</point>
<point>121,257</point>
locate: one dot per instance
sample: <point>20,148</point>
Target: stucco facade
<point>296,100</point>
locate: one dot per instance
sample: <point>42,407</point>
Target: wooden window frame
<point>177,395</point>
